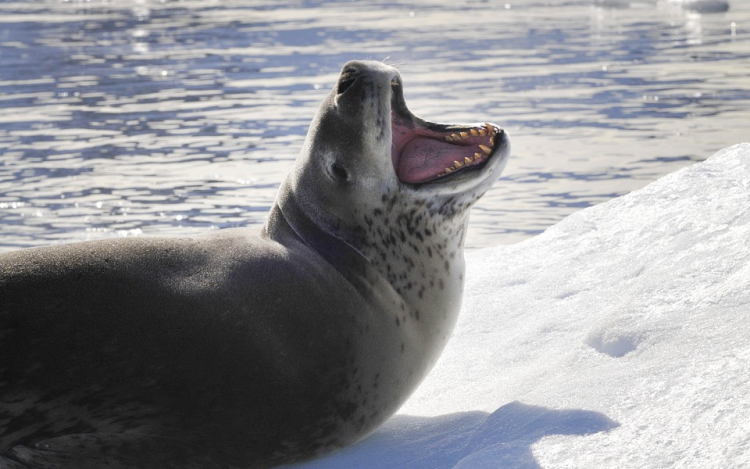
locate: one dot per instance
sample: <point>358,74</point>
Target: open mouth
<point>423,151</point>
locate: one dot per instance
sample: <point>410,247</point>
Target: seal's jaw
<point>423,154</point>
<point>428,153</point>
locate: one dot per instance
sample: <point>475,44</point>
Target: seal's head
<point>365,145</point>
<point>393,186</point>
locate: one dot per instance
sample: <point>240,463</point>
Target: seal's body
<point>239,350</point>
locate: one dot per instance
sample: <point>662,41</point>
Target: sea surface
<point>141,118</point>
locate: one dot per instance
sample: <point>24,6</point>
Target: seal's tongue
<point>422,154</point>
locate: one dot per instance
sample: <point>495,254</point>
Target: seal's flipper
<point>99,450</point>
<point>80,451</point>
<point>6,463</point>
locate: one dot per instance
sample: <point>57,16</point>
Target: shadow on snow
<point>467,440</point>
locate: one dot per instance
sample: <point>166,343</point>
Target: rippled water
<point>124,118</point>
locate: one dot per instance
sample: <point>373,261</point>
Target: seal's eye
<point>347,79</point>
<point>339,171</point>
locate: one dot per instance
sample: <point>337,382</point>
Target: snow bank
<point>620,337</point>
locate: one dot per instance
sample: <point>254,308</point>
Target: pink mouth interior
<point>421,155</point>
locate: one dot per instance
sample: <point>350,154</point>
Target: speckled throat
<point>404,246</point>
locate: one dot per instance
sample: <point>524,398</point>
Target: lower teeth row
<point>468,160</point>
<point>459,165</point>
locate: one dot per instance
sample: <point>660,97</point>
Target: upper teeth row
<point>488,129</point>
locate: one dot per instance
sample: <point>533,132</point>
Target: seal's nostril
<point>348,77</point>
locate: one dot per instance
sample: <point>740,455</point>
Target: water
<point>127,118</point>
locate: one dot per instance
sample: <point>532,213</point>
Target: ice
<point>620,337</point>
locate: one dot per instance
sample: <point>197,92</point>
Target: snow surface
<point>620,337</point>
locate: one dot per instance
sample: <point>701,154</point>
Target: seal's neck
<point>408,259</point>
<point>287,219</point>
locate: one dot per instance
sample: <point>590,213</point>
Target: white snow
<point>620,337</point>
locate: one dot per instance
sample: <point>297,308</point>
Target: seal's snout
<point>421,151</point>
<point>370,77</point>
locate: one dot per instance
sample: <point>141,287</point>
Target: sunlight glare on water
<point>139,117</point>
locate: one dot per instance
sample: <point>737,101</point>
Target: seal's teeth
<point>449,170</point>
<point>477,156</point>
<point>487,150</point>
<point>458,164</point>
<point>474,132</point>
<point>464,135</point>
<point>448,138</point>
<point>492,141</point>
<point>482,132</point>
<point>467,160</point>
<point>490,128</point>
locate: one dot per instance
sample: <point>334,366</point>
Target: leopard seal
<point>235,349</point>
